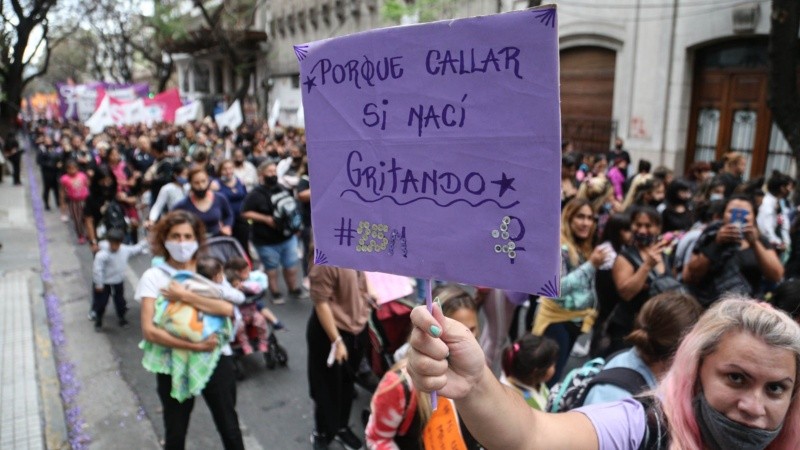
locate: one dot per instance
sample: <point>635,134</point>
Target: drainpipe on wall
<point>668,90</point>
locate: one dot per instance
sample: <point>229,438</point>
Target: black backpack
<point>571,392</point>
<point>656,435</point>
<point>162,177</point>
<point>114,217</point>
<point>658,283</point>
<point>286,211</point>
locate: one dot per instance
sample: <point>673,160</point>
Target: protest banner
<point>274,113</point>
<point>230,118</point>
<point>434,150</point>
<point>188,113</point>
<point>80,101</point>
<point>101,118</point>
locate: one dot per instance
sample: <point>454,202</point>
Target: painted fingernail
<point>436,331</point>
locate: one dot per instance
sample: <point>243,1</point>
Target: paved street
<point>114,403</point>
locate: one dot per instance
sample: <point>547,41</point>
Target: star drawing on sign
<point>310,83</point>
<point>505,184</point>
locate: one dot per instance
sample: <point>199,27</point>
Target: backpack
<point>114,217</point>
<point>656,433</point>
<point>572,391</point>
<point>658,283</point>
<point>286,211</point>
<point>161,178</point>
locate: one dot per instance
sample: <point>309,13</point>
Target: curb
<point>54,424</point>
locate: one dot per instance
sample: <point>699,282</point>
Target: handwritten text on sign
<point>435,150</point>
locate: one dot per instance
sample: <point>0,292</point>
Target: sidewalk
<point>31,416</point>
<point>71,394</point>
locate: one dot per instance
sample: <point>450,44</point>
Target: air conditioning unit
<point>746,17</point>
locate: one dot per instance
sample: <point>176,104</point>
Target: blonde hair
<point>636,183</point>
<point>576,250</point>
<point>597,191</point>
<point>679,387</point>
<point>732,158</point>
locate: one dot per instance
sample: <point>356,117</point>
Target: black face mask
<point>643,240</point>
<point>238,163</point>
<point>108,192</point>
<point>200,193</point>
<point>720,432</point>
<point>297,160</point>
<point>270,181</point>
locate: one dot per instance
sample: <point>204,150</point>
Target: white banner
<point>101,117</point>
<point>274,114</point>
<point>231,118</point>
<point>188,113</point>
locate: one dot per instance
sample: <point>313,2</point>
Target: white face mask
<point>181,251</point>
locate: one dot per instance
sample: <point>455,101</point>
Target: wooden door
<point>587,97</point>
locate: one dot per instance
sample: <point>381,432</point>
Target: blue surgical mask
<point>181,180</point>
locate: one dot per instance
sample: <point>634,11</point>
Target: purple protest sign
<point>434,150</point>
<point>79,101</point>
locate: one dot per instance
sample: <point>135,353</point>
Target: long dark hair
<point>99,192</point>
<point>616,224</point>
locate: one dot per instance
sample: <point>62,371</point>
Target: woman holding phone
<point>731,257</point>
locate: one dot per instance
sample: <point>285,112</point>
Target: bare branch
<point>43,69</point>
<point>43,39</point>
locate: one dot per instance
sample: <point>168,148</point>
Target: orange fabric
<point>442,431</point>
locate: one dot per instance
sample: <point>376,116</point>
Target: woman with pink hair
<point>732,385</point>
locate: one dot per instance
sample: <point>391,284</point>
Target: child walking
<point>75,189</point>
<point>528,364</point>
<point>108,275</point>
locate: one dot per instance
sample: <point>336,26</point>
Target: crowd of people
<point>672,277</point>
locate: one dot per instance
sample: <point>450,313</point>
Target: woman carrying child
<point>177,237</point>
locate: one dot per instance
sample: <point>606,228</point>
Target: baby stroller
<point>224,248</point>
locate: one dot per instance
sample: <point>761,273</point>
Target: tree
<point>783,97</point>
<point>22,25</point>
<point>69,59</point>
<point>165,25</point>
<point>423,10</point>
<point>227,25</point>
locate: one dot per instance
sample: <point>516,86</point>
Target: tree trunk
<point>783,97</point>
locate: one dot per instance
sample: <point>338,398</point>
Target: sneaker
<point>278,325</point>
<point>299,294</point>
<point>123,323</point>
<point>278,299</point>
<point>318,441</point>
<point>98,325</point>
<point>92,316</point>
<point>348,439</point>
<point>64,218</point>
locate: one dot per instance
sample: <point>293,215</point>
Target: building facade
<point>679,80</point>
